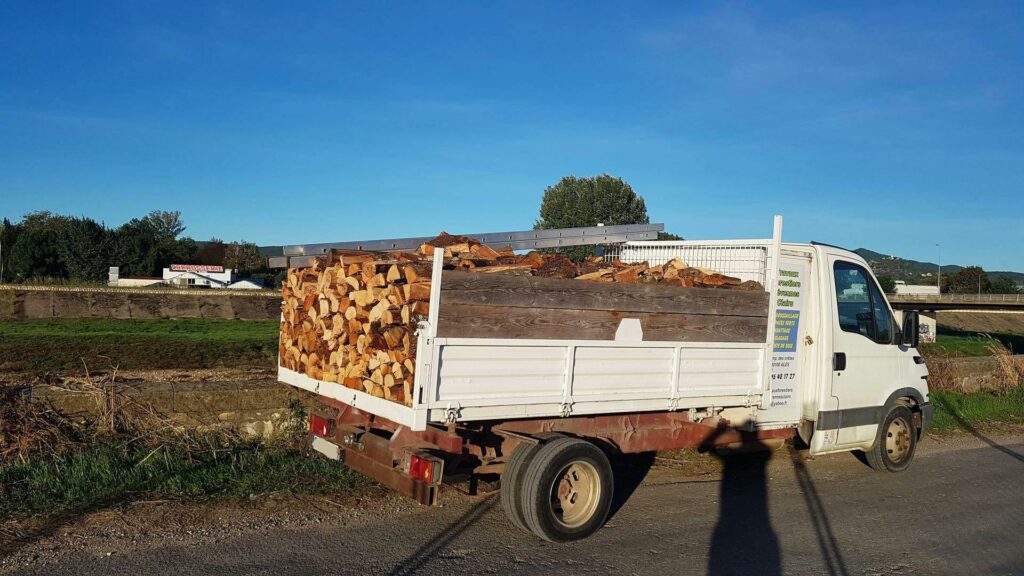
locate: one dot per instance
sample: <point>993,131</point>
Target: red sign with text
<point>196,268</point>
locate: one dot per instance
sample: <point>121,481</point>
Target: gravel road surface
<point>958,510</point>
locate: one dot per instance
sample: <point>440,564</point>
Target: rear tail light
<point>423,468</point>
<point>320,426</point>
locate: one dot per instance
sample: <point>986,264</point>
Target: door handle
<point>839,361</point>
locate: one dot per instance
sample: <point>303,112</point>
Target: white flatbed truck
<point>833,368</point>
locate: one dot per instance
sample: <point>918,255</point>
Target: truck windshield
<point>861,307</point>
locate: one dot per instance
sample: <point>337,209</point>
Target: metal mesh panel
<point>744,259</point>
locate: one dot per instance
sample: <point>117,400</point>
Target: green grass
<point>966,344</point>
<point>958,410</point>
<point>40,345</point>
<point>110,472</point>
<point>947,345</point>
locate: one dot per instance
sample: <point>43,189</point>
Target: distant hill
<point>914,272</point>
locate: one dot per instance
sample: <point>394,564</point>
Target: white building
<point>904,289</point>
<point>188,276</point>
<point>198,276</point>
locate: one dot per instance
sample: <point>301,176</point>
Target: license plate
<point>329,449</point>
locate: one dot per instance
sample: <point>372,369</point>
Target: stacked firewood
<point>351,317</point>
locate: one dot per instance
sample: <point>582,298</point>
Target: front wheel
<point>895,442</point>
<point>567,490</point>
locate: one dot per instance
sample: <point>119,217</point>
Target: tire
<point>895,442</point>
<point>512,483</point>
<point>567,490</point>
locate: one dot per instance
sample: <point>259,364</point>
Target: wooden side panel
<point>489,321</point>
<point>522,306</point>
<point>523,291</point>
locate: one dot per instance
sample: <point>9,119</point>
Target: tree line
<point>969,280</point>
<point>43,245</point>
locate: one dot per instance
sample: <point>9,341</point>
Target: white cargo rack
<point>467,379</point>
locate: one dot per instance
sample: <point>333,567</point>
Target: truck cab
<point>871,390</point>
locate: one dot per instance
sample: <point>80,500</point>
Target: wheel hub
<point>897,440</point>
<point>576,494</point>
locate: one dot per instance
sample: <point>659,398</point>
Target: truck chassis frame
<point>381,449</point>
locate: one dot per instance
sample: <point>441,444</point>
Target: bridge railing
<point>959,298</point>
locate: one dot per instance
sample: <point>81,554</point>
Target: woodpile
<point>351,317</point>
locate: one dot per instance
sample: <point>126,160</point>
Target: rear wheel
<point>567,490</point>
<point>512,483</point>
<point>895,442</point>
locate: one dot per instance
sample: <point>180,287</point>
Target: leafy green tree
<point>211,252</point>
<point>969,280</point>
<point>84,248</point>
<point>34,255</point>
<point>887,283</point>
<point>1004,285</point>
<point>243,257</point>
<point>167,226</point>
<point>134,249</point>
<point>8,236</point>
<point>576,202</point>
<point>143,247</point>
<point>669,236</point>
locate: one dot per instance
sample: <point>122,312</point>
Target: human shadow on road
<point>430,549</point>
<point>974,431</point>
<point>744,541</point>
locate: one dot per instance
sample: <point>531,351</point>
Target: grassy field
<point>46,345</point>
<point>966,411</point>
<point>115,471</point>
<point>958,344</point>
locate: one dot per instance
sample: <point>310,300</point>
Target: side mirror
<point>911,329</point>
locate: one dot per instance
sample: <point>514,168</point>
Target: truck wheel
<point>512,483</point>
<point>895,442</point>
<point>567,490</point>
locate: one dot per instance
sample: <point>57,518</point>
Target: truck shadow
<point>431,548</point>
<point>831,555</point>
<point>630,471</point>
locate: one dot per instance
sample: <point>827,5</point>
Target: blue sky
<point>892,126</point>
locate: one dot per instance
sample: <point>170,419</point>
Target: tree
<point>969,280</point>
<point>243,257</point>
<point>8,236</point>
<point>888,284</point>
<point>34,255</point>
<point>669,236</point>
<point>1004,285</point>
<point>135,249</point>
<point>576,202</point>
<point>212,252</point>
<point>142,247</point>
<point>84,248</point>
<point>167,226</point>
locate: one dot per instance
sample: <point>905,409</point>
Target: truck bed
<point>505,347</point>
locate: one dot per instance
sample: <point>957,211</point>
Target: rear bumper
<point>927,413</point>
<point>372,457</point>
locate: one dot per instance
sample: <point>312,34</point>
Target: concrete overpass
<point>937,302</point>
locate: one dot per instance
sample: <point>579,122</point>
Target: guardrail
<point>959,298</point>
<point>150,290</point>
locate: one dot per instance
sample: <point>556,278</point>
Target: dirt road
<point>959,510</point>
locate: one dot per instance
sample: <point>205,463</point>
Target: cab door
<point>865,361</point>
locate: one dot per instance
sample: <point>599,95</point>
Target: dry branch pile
<point>351,318</point>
